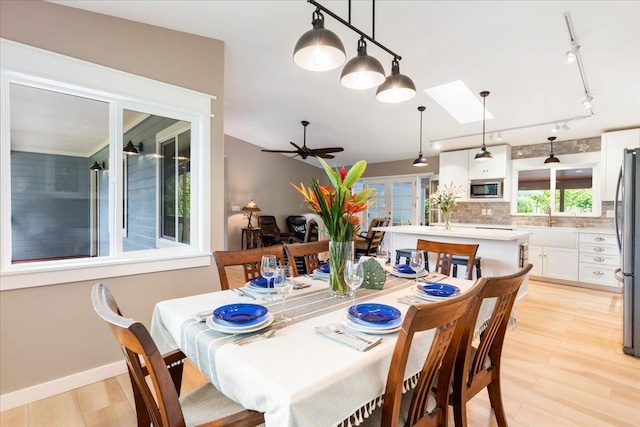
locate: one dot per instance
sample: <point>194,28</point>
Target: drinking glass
<point>416,262</point>
<point>353,275</point>
<point>382,254</point>
<point>268,270</point>
<point>283,283</point>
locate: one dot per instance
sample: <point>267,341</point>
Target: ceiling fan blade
<point>295,145</point>
<point>280,151</point>
<point>327,150</point>
<point>326,156</point>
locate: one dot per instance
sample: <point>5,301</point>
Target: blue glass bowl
<point>261,282</point>
<point>374,313</point>
<point>240,313</point>
<point>439,290</point>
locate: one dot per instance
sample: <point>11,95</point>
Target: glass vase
<point>339,253</point>
<point>447,220</point>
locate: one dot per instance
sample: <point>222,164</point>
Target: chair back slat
<point>137,345</point>
<point>444,254</point>
<point>249,259</point>
<point>308,252</point>
<point>444,317</point>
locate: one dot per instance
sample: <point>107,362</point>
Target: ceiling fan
<point>305,151</point>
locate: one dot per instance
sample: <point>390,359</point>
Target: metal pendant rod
<point>345,23</point>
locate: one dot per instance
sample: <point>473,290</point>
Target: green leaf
<point>334,176</point>
<point>354,173</point>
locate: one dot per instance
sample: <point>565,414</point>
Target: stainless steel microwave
<point>485,190</point>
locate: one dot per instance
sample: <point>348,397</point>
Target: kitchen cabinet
<point>612,147</point>
<point>554,263</point>
<point>495,168</point>
<point>599,259</point>
<point>454,167</point>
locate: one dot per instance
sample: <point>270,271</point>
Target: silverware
<point>340,331</point>
<point>242,293</point>
<point>247,340</point>
<point>301,286</point>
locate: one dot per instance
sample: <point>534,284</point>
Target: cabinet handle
<point>598,249</point>
<point>598,273</point>
<point>599,239</point>
<point>598,259</point>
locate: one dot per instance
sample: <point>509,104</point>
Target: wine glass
<point>283,283</point>
<point>382,254</point>
<point>353,275</point>
<point>416,262</point>
<point>268,270</point>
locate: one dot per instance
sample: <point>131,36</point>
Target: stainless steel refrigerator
<point>627,223</point>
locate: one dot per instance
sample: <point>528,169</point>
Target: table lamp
<point>251,207</point>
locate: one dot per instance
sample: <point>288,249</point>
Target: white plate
<point>239,329</point>
<point>360,328</point>
<point>407,275</point>
<point>259,289</point>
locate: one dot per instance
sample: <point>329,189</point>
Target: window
<point>566,189</point>
<point>78,196</point>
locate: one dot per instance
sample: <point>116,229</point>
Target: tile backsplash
<point>498,213</point>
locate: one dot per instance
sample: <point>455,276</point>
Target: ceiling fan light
<point>319,49</point>
<point>362,71</point>
<point>397,87</point>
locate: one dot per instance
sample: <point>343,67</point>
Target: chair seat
<point>457,260</point>
<point>207,404</point>
<point>375,418</point>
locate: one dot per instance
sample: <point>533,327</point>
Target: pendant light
<point>552,158</point>
<point>319,49</point>
<point>397,87</point>
<point>483,154</point>
<point>421,160</point>
<point>363,71</point>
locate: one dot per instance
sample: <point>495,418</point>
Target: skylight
<point>459,101</point>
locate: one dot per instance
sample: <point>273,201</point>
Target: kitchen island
<point>503,251</point>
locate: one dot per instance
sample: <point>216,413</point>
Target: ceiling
<point>514,49</point>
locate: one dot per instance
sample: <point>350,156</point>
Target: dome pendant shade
<point>319,49</point>
<point>421,160</point>
<point>483,154</point>
<point>552,158</point>
<point>397,87</point>
<point>363,71</point>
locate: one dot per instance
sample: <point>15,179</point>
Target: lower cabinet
<point>599,259</point>
<point>554,263</point>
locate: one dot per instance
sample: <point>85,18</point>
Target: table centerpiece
<point>445,200</point>
<point>338,207</point>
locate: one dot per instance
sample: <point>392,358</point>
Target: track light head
<point>319,49</point>
<point>572,54</point>
<point>586,102</point>
<point>556,128</point>
<point>565,127</point>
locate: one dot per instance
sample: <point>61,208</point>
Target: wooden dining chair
<point>477,367</point>
<point>249,259</point>
<point>445,253</point>
<point>423,406</point>
<point>204,406</point>
<point>308,252</point>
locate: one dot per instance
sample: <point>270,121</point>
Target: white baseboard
<point>60,385</point>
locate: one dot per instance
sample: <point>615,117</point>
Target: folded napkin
<point>363,343</point>
<point>324,268</point>
<point>403,268</point>
<point>261,282</point>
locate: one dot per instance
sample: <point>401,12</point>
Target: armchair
<point>367,243</point>
<point>270,231</point>
<point>297,224</point>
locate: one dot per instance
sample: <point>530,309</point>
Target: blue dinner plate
<point>442,290</point>
<point>374,313</point>
<point>261,282</point>
<point>391,324</point>
<point>240,314</point>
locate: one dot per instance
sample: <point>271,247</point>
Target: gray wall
<point>401,167</point>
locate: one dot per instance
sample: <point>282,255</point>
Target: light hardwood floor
<point>562,366</point>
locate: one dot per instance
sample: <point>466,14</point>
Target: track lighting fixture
<point>586,102</point>
<point>572,54</point>
<point>132,150</point>
<point>565,127</point>
<point>499,136</point>
<point>483,154</point>
<point>361,72</point>
<point>556,128</point>
<point>552,158</point>
<point>421,160</point>
<point>319,49</point>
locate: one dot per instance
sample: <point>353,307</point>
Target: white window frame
<point>27,65</point>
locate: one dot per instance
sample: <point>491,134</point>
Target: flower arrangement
<point>338,206</point>
<point>335,203</point>
<point>445,200</point>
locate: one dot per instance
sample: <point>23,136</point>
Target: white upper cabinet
<point>495,168</point>
<point>612,148</point>
<point>454,167</point>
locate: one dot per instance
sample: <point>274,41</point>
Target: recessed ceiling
<point>514,49</point>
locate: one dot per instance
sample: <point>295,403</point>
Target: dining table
<point>299,375</point>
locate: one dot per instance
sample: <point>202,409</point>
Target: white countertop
<point>458,232</point>
<point>592,230</point>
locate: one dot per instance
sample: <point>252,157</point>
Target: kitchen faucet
<point>550,220</point>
